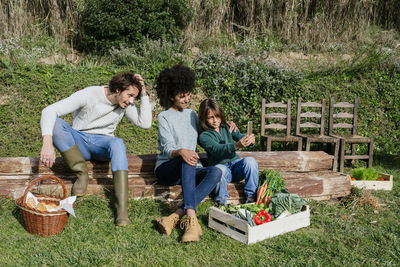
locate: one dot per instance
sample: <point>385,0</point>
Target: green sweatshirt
<point>220,146</point>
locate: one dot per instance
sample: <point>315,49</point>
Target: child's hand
<point>245,141</point>
<point>232,126</point>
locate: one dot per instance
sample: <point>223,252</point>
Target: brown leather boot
<point>166,224</point>
<point>192,229</point>
<point>75,161</point>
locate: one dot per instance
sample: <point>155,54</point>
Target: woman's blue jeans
<point>92,146</point>
<point>235,171</point>
<point>177,171</point>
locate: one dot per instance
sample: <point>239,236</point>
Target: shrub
<point>107,24</point>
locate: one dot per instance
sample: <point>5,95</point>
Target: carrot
<point>261,192</point>
<point>266,200</point>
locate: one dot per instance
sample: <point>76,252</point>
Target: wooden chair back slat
<point>276,105</point>
<point>342,125</point>
<point>311,105</point>
<point>276,126</point>
<point>310,115</point>
<point>343,115</point>
<point>343,105</point>
<point>276,116</point>
<point>310,125</point>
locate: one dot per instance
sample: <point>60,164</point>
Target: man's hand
<point>141,82</point>
<point>189,156</point>
<point>47,153</point>
<point>245,141</point>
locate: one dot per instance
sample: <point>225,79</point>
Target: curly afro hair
<point>173,81</point>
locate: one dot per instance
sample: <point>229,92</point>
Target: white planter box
<point>387,184</point>
<point>240,230</point>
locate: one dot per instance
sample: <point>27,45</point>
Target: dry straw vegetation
<point>309,23</point>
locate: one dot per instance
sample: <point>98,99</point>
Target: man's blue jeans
<point>92,146</point>
<point>177,171</point>
<point>235,171</point>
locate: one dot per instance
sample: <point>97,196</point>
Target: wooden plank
<point>276,105</point>
<point>310,125</point>
<point>343,115</point>
<point>21,168</point>
<point>343,125</point>
<point>276,116</point>
<point>310,115</point>
<point>343,105</point>
<point>311,105</point>
<point>277,126</point>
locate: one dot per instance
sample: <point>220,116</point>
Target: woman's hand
<point>245,141</point>
<point>232,126</point>
<point>47,153</point>
<point>189,156</point>
<point>141,82</point>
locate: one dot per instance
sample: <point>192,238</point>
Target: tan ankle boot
<point>192,229</point>
<point>166,224</point>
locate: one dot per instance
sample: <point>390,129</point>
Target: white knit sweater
<point>94,113</point>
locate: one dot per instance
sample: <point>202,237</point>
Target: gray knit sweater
<point>94,113</point>
<point>176,130</point>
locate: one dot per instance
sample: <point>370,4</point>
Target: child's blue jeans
<point>235,171</point>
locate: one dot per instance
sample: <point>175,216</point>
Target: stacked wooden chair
<point>277,122</point>
<point>310,125</point>
<point>339,115</point>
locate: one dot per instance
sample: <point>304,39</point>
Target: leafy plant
<point>369,174</point>
<point>108,24</point>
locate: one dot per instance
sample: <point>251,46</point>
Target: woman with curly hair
<point>178,162</point>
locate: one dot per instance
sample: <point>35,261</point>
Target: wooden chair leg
<point>269,144</point>
<point>342,149</point>
<point>335,155</point>
<point>370,153</point>
<point>353,152</point>
<point>300,145</point>
<point>308,144</point>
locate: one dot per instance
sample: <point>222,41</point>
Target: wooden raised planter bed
<point>240,230</point>
<point>307,173</point>
<point>386,184</point>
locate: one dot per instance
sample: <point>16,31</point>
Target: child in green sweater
<point>221,146</point>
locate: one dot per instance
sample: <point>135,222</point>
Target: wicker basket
<point>43,223</point>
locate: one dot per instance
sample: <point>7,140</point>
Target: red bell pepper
<point>262,217</point>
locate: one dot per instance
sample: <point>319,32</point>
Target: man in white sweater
<point>97,112</point>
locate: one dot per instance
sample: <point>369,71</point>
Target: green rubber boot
<point>75,161</point>
<point>121,193</point>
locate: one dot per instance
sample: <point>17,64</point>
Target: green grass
<point>347,232</point>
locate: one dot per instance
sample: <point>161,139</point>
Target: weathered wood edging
<point>306,173</point>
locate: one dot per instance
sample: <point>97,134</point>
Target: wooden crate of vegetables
<point>370,179</point>
<point>276,212</point>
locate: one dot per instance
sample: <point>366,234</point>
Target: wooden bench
<point>306,173</point>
